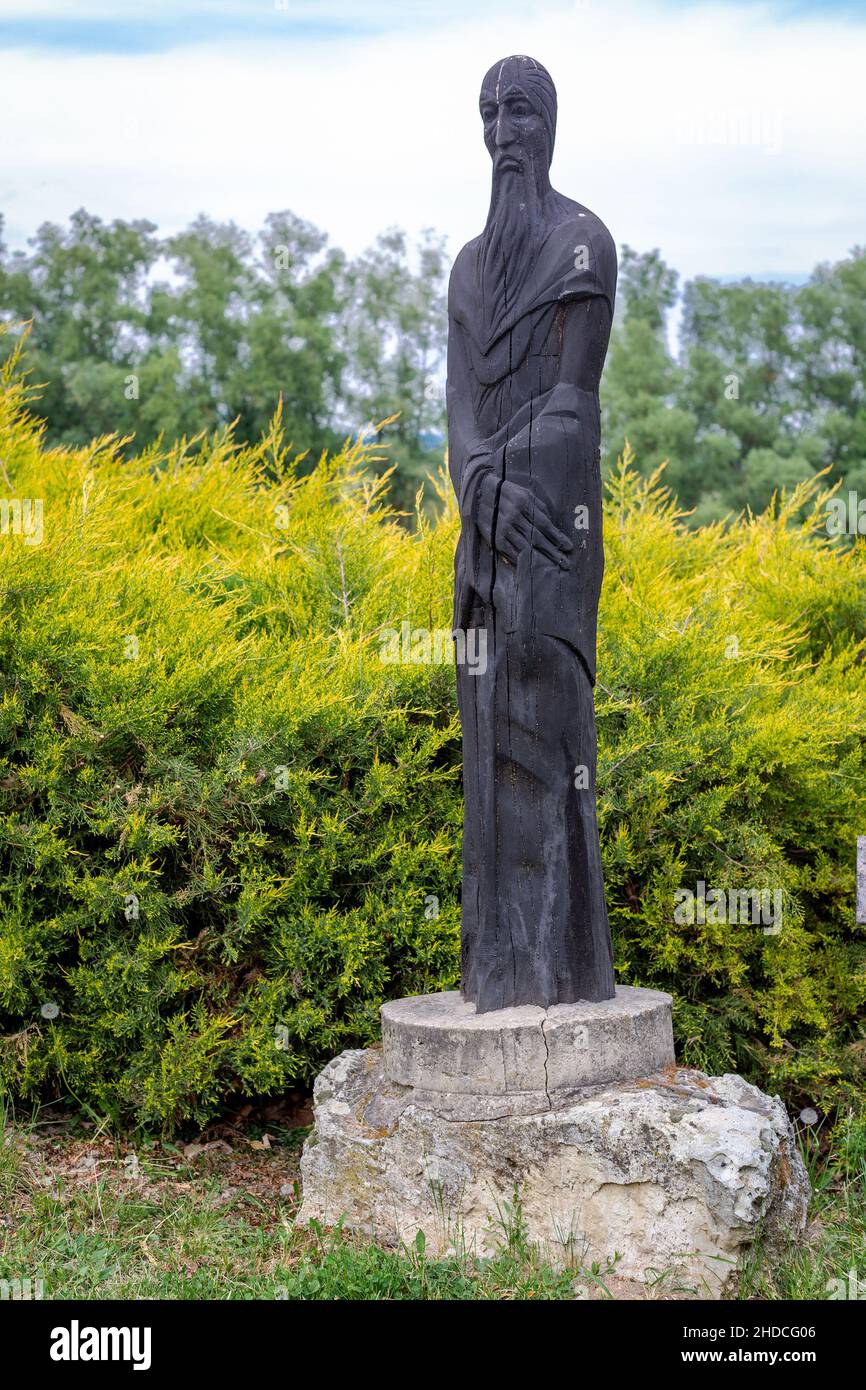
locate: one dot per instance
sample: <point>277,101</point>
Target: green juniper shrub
<point>229,829</point>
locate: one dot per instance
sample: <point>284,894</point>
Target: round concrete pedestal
<point>516,1061</point>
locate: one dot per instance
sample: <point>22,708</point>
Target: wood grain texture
<point>530,308</point>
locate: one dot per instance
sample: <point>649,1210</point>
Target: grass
<point>95,1217</point>
<point>833,1255</point>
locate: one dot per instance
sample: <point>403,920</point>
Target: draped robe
<point>534,926</point>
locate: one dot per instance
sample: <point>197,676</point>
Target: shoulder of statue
<point>465,260</point>
<point>462,278</point>
<point>586,224</point>
<point>581,256</point>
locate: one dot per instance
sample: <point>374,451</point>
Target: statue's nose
<point>504,131</point>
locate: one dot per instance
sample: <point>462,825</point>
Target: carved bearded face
<point>516,131</point>
<point>518,108</point>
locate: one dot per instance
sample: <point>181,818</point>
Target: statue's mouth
<point>508,165</point>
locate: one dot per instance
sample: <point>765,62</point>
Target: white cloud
<point>732,141</point>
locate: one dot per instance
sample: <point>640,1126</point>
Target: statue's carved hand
<point>520,521</point>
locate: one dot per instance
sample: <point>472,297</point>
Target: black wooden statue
<point>530,307</point>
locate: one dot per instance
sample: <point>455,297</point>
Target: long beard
<point>509,246</point>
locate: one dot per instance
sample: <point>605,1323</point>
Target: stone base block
<point>675,1173</point>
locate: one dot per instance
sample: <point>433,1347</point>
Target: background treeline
<point>216,325</point>
<point>767,387</point>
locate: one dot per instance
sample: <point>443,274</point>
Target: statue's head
<point>518,108</point>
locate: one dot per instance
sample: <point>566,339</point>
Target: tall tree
<point>831,364</point>
<point>641,380</point>
<point>394,344</point>
<point>84,289</point>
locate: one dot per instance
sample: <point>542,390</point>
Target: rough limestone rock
<point>676,1173</point>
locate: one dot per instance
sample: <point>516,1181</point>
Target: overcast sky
<point>732,136</point>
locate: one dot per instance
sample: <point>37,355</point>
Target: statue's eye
<point>519,108</point>
<point>488,113</point>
